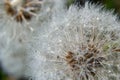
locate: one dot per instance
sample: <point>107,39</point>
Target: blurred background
<point>109,4</point>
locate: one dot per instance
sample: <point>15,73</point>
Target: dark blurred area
<point>109,4</point>
<point>5,76</point>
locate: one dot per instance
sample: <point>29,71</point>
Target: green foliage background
<point>3,76</point>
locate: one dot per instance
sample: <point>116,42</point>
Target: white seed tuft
<point>79,44</point>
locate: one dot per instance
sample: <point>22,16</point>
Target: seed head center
<point>22,10</point>
<point>88,63</point>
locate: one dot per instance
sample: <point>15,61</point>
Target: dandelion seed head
<point>83,45</point>
<point>19,20</point>
<point>22,9</point>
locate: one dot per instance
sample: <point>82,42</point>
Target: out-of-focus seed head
<point>22,9</point>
